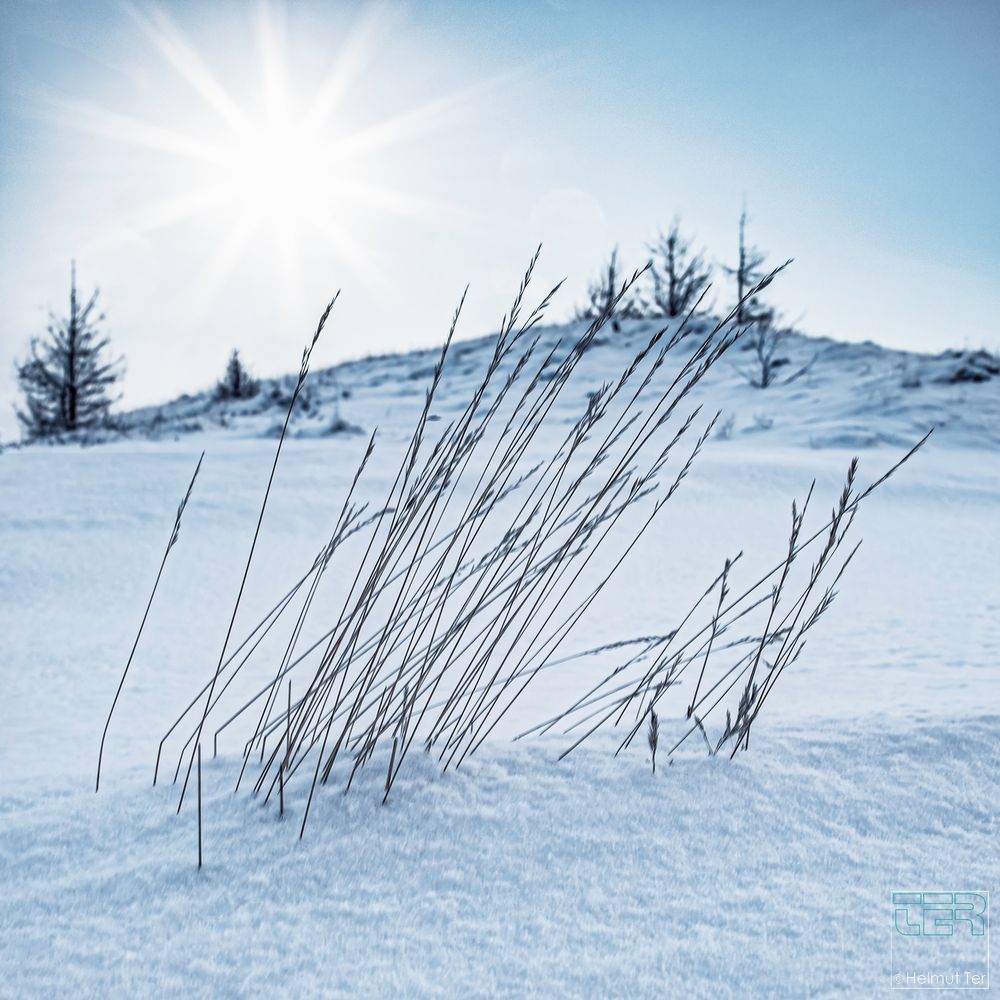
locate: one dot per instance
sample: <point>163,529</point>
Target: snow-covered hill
<point>851,395</point>
<point>875,768</point>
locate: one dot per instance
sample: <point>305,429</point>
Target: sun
<point>271,163</point>
<point>279,171</point>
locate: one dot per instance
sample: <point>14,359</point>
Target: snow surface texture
<point>874,766</point>
<point>766,876</point>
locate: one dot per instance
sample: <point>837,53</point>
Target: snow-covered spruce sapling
<point>748,272</point>
<point>679,276</point>
<point>612,295</point>
<point>68,377</point>
<point>237,382</point>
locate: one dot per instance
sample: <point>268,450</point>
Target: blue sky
<point>864,138</point>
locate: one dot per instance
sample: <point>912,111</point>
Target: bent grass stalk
<point>174,535</point>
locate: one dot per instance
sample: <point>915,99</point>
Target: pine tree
<point>679,278</point>
<point>67,378</point>
<point>237,383</point>
<point>601,295</point>
<point>747,273</point>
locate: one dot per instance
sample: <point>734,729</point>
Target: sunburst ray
<point>274,165</point>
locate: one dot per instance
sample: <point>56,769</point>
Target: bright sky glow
<point>276,166</point>
<point>220,168</point>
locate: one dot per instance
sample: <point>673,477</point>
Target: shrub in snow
<point>724,430</point>
<point>764,341</point>
<point>237,382</point>
<point>340,426</point>
<point>972,366</point>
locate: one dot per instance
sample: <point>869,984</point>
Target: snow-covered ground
<point>766,876</point>
<point>875,765</point>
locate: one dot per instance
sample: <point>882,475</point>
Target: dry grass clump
<point>774,616</point>
<point>478,563</point>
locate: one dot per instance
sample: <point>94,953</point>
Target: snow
<point>766,876</point>
<point>873,768</point>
